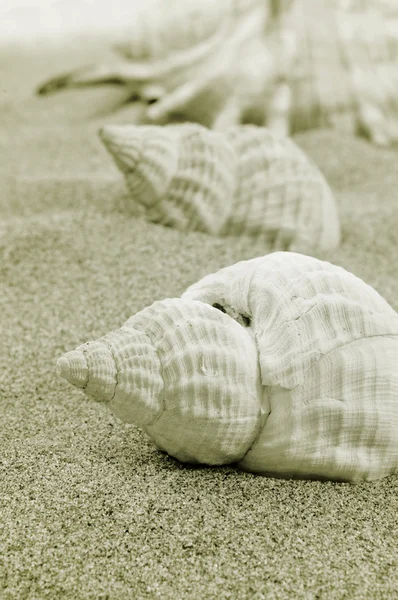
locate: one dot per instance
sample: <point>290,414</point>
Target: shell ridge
<point>320,355</point>
<point>90,350</point>
<point>162,398</point>
<point>112,353</point>
<point>86,356</point>
<point>155,341</point>
<point>132,329</point>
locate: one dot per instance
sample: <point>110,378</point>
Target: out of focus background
<point>33,20</point>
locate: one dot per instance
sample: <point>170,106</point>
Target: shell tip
<point>124,143</point>
<point>73,367</point>
<point>108,134</point>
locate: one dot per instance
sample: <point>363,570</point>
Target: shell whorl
<point>121,369</point>
<point>185,372</point>
<point>300,307</point>
<point>328,355</point>
<point>148,158</point>
<point>184,175</point>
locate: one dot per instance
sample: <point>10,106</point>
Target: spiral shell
<point>183,371</point>
<point>283,364</point>
<point>244,181</point>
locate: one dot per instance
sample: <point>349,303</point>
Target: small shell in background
<point>244,181</point>
<point>283,364</point>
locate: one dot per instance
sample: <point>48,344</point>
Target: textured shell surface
<point>182,370</point>
<point>246,180</point>
<point>283,364</point>
<point>328,351</point>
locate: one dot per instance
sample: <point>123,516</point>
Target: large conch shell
<point>211,62</point>
<point>283,364</point>
<point>244,181</point>
<point>288,64</point>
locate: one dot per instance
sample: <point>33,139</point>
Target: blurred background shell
<point>346,70</point>
<point>292,65</point>
<point>328,350</point>
<point>159,28</point>
<point>244,181</point>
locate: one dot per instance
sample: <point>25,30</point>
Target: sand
<point>88,508</point>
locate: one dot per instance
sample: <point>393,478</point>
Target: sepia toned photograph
<point>198,300</point>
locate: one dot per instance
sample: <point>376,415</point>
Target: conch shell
<point>288,64</point>
<point>244,181</point>
<point>283,364</point>
<point>211,62</point>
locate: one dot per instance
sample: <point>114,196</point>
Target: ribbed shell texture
<point>244,181</point>
<point>185,372</point>
<point>284,364</point>
<point>328,353</point>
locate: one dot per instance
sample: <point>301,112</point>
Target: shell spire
<point>128,141</point>
<point>73,367</point>
<point>242,181</point>
<point>147,158</point>
<point>183,371</point>
<point>180,175</point>
<point>120,365</point>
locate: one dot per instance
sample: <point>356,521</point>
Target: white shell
<point>183,371</point>
<point>244,181</point>
<point>299,378</point>
<point>328,355</point>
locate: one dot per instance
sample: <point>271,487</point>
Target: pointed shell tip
<point>63,367</point>
<point>105,134</point>
<point>73,367</point>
